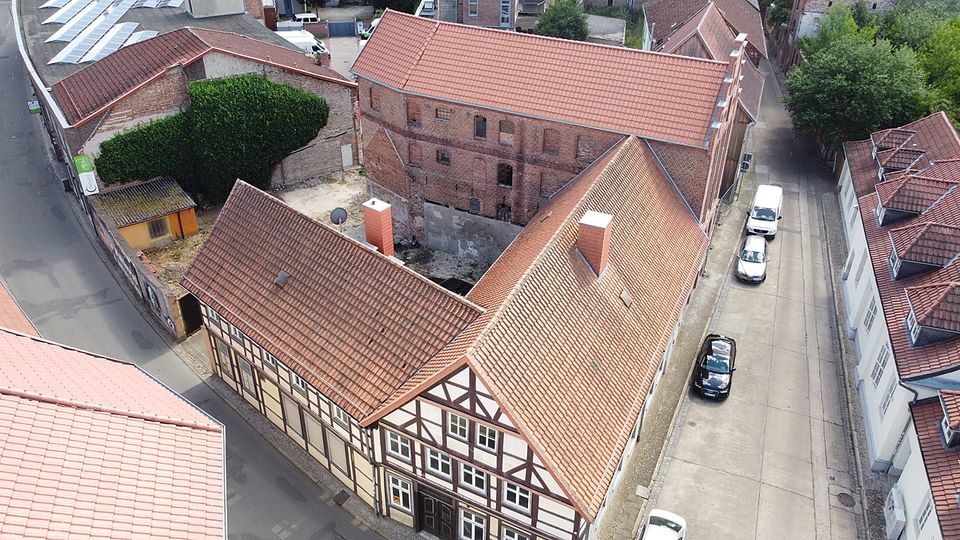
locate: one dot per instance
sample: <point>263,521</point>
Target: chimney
<point>593,239</point>
<point>378,223</point>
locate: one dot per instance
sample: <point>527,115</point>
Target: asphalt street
<point>773,460</point>
<point>57,275</point>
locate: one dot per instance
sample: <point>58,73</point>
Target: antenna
<point>338,217</point>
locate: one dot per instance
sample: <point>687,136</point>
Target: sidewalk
<point>627,505</point>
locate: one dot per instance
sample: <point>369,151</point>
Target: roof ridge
<point>78,404</point>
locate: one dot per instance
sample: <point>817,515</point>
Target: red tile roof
<point>719,40</point>
<point>349,321</point>
<point>942,466</point>
<point>891,138</point>
<point>93,447</point>
<point>87,92</point>
<point>936,305</point>
<point>668,16</point>
<point>899,158</point>
<point>930,243</point>
<point>930,189</point>
<point>568,360</point>
<point>568,81</point>
<point>950,401</point>
<point>913,193</point>
<point>933,134</point>
<point>12,317</point>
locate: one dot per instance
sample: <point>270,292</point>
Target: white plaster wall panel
<point>489,405</point>
<point>550,483</point>
<point>515,446</point>
<point>400,417</point>
<point>457,446</point>
<point>462,377</point>
<point>915,488</point>
<point>485,458</point>
<point>437,392</point>
<point>556,508</point>
<point>431,413</point>
<point>510,462</point>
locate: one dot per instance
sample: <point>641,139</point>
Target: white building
<point>901,286</point>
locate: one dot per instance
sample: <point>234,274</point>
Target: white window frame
<point>298,383</point>
<point>894,263</point>
<point>473,8</point>
<point>340,416</point>
<point>913,326</point>
<point>923,516</point>
<point>879,365</point>
<point>470,476</point>
<point>457,424</point>
<point>477,524</point>
<point>235,332</point>
<point>398,446</point>
<point>518,493</point>
<point>888,397</point>
<point>269,360</point>
<point>437,461</point>
<point>505,13</point>
<point>400,488</point>
<point>487,438</point>
<point>212,316</point>
<point>871,315</point>
<point>512,534</point>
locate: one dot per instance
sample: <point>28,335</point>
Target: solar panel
<point>142,35</point>
<point>54,4</point>
<point>80,21</point>
<point>109,43</point>
<point>93,33</point>
<point>65,13</point>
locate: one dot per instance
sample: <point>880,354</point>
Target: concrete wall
<point>466,235</point>
<point>214,8</point>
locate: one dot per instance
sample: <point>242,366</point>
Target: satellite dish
<point>338,216</point>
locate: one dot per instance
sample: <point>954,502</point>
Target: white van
<point>306,18</point>
<point>306,41</point>
<point>765,211</point>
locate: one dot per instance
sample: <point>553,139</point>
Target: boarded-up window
<point>159,228</point>
<point>480,127</point>
<point>584,147</point>
<point>505,174</point>
<point>338,453</point>
<point>443,115</point>
<point>475,205</point>
<point>506,132</point>
<point>246,377</point>
<point>416,154</point>
<point>222,353</point>
<point>413,113</point>
<point>551,141</point>
<point>292,413</point>
<point>374,99</point>
<point>443,156</point>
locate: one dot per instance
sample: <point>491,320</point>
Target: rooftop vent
<point>282,278</point>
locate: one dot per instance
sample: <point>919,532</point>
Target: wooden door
<point>435,515</point>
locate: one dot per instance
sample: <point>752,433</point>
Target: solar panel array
<point>91,30</point>
<point>81,45</point>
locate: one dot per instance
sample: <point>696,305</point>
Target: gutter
<point>37,81</point>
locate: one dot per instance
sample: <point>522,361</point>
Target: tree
<point>778,13</point>
<point>563,19</point>
<point>838,23</point>
<point>860,14</point>
<point>852,87</point>
<point>912,22</point>
<point>940,59</point>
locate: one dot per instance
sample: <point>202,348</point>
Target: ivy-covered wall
<point>237,127</point>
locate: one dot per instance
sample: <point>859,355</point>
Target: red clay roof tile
<point>569,81</point>
<point>349,321</point>
<point>950,400</point>
<point>666,17</point>
<point>88,91</point>
<point>941,464</point>
<point>12,317</point>
<point>93,446</point>
<point>929,243</point>
<point>913,193</point>
<point>936,305</point>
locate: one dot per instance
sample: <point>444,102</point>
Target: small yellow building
<point>149,214</point>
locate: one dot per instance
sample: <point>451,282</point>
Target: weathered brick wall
<point>470,180</point>
<point>488,13</point>
<point>323,154</point>
<point>163,97</point>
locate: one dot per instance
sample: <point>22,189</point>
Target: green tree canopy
<point>852,87</point>
<point>913,21</point>
<point>940,59</point>
<point>238,127</point>
<point>563,19</point>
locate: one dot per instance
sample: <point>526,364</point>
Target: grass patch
<point>634,35</point>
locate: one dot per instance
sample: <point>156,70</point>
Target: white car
<point>663,525</point>
<point>752,260</point>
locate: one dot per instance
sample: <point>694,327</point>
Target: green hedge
<point>155,149</point>
<point>239,127</point>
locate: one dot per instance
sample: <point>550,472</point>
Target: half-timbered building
<point>506,413</point>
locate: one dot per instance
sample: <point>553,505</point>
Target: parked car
<point>752,261</point>
<point>663,525</point>
<point>765,212</point>
<point>715,366</point>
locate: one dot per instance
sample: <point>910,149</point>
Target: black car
<point>715,366</point>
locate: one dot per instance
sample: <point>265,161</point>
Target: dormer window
<point>913,327</point>
<point>950,436</point>
<point>894,262</point>
<point>880,212</point>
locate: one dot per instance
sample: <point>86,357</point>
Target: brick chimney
<point>378,223</point>
<point>593,239</point>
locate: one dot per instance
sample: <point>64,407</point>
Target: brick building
<point>493,124</point>
<point>663,19</point>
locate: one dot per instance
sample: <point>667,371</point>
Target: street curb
<point>686,387</point>
<point>842,357</point>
